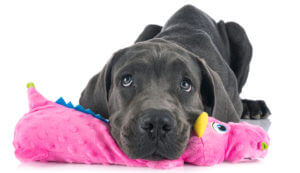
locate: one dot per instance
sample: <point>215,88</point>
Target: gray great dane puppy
<point>153,91</point>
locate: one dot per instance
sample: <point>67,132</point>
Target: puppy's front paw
<point>255,109</point>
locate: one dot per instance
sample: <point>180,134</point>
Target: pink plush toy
<point>61,132</point>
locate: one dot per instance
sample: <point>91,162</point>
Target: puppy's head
<point>152,92</point>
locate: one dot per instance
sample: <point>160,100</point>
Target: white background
<point>60,44</point>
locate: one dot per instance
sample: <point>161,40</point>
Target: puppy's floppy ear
<point>149,32</point>
<point>240,50</point>
<point>215,98</point>
<point>95,95</point>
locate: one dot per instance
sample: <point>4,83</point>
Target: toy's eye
<point>219,127</point>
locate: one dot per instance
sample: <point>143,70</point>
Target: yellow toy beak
<point>200,124</point>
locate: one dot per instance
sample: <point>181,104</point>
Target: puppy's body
<point>153,91</point>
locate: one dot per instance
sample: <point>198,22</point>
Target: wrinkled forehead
<point>160,56</point>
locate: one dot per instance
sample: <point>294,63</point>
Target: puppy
<point>153,91</point>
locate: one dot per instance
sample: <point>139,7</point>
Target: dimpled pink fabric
<point>240,142</point>
<point>52,132</point>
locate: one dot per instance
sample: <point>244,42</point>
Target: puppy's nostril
<point>166,128</point>
<point>148,127</point>
<point>166,123</point>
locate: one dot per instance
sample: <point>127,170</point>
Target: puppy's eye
<point>186,85</point>
<point>126,80</point>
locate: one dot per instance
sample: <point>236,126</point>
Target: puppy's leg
<point>149,32</point>
<point>255,109</point>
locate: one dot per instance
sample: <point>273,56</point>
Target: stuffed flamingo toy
<point>60,132</point>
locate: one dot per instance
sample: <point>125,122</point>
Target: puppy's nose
<point>156,122</point>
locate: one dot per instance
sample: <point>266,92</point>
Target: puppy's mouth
<point>155,135</point>
<point>155,156</point>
